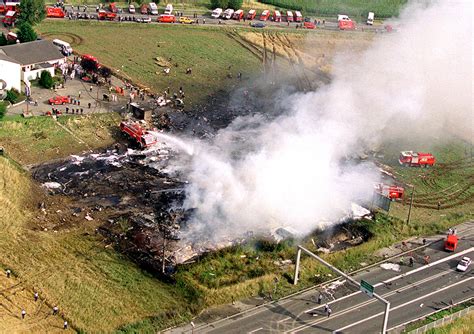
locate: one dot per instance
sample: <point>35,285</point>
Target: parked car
<point>258,25</point>
<point>59,100</point>
<point>131,9</point>
<point>464,264</point>
<point>144,9</point>
<point>216,13</point>
<point>167,18</point>
<point>228,13</point>
<point>144,20</point>
<point>185,20</point>
<point>152,8</point>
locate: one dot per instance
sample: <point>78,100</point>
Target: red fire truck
<point>451,242</point>
<point>390,191</point>
<point>418,159</point>
<point>265,15</point>
<point>104,15</point>
<point>10,18</point>
<point>140,135</point>
<point>54,12</point>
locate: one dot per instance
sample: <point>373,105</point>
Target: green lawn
<point>39,139</point>
<point>131,50</point>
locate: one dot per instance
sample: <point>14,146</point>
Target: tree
<point>219,3</point>
<point>235,4</point>
<point>3,40</point>
<point>26,33</point>
<point>31,11</point>
<point>46,80</point>
<point>3,109</point>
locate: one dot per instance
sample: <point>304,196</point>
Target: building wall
<point>11,73</point>
<point>35,74</point>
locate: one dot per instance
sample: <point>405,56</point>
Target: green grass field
<point>39,139</point>
<point>96,289</point>
<point>131,50</point>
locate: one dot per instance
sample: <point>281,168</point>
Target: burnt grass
<point>141,206</point>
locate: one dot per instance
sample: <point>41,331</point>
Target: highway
<point>413,292</point>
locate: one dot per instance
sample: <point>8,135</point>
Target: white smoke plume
<point>292,171</point>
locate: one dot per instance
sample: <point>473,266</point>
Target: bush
<point>46,80</point>
<point>3,109</point>
<point>26,33</point>
<point>13,96</point>
<point>219,4</point>
<point>235,4</point>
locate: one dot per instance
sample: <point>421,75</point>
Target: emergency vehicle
<point>417,159</point>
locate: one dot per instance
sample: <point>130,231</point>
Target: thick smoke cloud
<point>293,171</point>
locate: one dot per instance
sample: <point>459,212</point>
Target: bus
<point>64,46</point>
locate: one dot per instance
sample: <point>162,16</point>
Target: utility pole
<point>411,203</point>
<point>350,279</point>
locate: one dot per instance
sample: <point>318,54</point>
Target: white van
<point>65,47</point>
<point>228,13</point>
<point>370,18</point>
<point>342,17</point>
<point>216,13</point>
<point>153,9</point>
<point>169,9</point>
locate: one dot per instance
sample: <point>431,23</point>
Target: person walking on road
<point>326,308</point>
<point>320,298</point>
<point>329,312</point>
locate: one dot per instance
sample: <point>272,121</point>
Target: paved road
<point>413,292</point>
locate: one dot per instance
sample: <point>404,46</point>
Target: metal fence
<point>441,322</point>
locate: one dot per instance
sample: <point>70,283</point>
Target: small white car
<point>464,264</point>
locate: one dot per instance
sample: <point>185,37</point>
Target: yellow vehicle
<point>186,20</point>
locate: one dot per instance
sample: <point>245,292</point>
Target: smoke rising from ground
<point>293,170</point>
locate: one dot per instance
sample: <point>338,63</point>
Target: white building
<point>10,72</point>
<point>33,57</point>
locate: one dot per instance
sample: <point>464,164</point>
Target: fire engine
<point>104,15</point>
<point>135,131</point>
<point>10,18</point>
<point>390,191</point>
<point>451,243</point>
<point>418,159</point>
<point>54,12</point>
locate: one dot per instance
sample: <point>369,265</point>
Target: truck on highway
<point>238,15</point>
<point>277,16</point>
<point>265,15</point>
<point>251,14</point>
<point>370,18</point>
<point>152,8</point>
<point>55,12</point>
<point>298,16</point>
<point>228,13</point>
<point>169,9</point>
<point>416,159</point>
<point>451,242</point>
<point>216,13</point>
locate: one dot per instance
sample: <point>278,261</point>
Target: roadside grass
<point>442,314</point>
<point>96,289</point>
<point>464,325</point>
<point>131,49</point>
<point>39,139</point>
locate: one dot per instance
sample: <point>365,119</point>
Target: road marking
<point>426,266</point>
<point>402,305</point>
<point>255,330</point>
<point>386,295</point>
<point>400,276</point>
<point>284,319</point>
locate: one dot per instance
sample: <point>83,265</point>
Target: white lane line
<point>402,305</point>
<point>284,319</point>
<point>255,330</point>
<point>365,303</point>
<point>401,276</point>
<point>426,266</point>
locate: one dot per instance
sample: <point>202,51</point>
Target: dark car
<point>258,25</point>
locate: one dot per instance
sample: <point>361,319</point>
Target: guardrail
<point>438,323</point>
